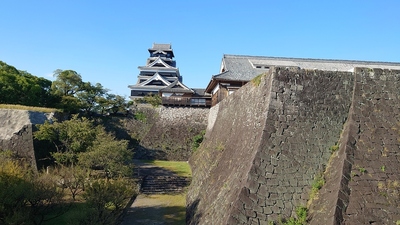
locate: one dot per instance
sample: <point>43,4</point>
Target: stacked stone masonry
<point>269,141</point>
<point>16,131</point>
<point>168,132</point>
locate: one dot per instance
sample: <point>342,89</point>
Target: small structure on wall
<point>160,76</point>
<point>237,70</point>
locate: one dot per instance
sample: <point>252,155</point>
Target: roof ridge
<point>309,59</point>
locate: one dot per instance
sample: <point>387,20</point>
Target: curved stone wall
<point>270,141</point>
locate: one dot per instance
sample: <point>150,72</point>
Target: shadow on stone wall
<point>165,133</point>
<point>192,214</point>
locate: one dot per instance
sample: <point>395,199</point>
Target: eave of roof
<point>159,60</point>
<point>170,88</point>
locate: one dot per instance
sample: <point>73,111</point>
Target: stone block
<point>267,210</point>
<point>263,192</point>
<point>250,213</point>
<point>273,196</point>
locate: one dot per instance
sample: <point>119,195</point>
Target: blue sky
<point>105,41</point>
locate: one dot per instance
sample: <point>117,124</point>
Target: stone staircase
<point>163,184</point>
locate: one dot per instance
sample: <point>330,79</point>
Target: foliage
<point>73,179</point>
<point>257,80</point>
<point>89,95</point>
<point>69,137</point>
<point>26,197</point>
<point>79,96</point>
<point>79,142</point>
<point>152,99</point>
<point>68,92</point>
<point>334,148</point>
<point>317,184</point>
<point>197,140</point>
<point>362,170</point>
<point>110,155</point>
<point>67,83</point>
<point>107,199</point>
<point>21,87</point>
<point>141,116</point>
<point>301,217</point>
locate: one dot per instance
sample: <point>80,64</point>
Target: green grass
<point>30,108</point>
<point>257,80</point>
<point>178,167</point>
<point>301,217</point>
<point>334,148</point>
<point>317,184</point>
<point>76,211</point>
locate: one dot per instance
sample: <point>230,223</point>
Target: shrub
<point>107,200</point>
<point>301,214</point>
<point>140,116</point>
<point>152,99</point>
<point>197,140</point>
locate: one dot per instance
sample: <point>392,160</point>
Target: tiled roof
<point>200,92</point>
<point>244,68</point>
<point>161,46</point>
<point>177,86</point>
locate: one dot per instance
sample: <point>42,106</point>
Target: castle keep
<point>160,76</point>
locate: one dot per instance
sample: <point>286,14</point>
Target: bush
<point>197,140</point>
<point>26,197</point>
<point>107,200</point>
<point>152,99</point>
<point>140,116</point>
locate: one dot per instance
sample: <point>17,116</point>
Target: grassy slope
<point>30,108</point>
<point>178,167</point>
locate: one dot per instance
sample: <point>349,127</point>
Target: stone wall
<point>363,176</point>
<point>167,132</point>
<point>212,117</point>
<point>16,128</point>
<point>270,141</point>
<point>21,143</point>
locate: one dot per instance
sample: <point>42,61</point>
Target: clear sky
<point>105,41</point>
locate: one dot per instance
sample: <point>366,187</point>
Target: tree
<point>21,87</point>
<point>110,155</point>
<point>65,87</point>
<point>89,96</point>
<point>73,179</point>
<point>67,83</point>
<point>154,100</point>
<point>79,142</point>
<point>69,137</point>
